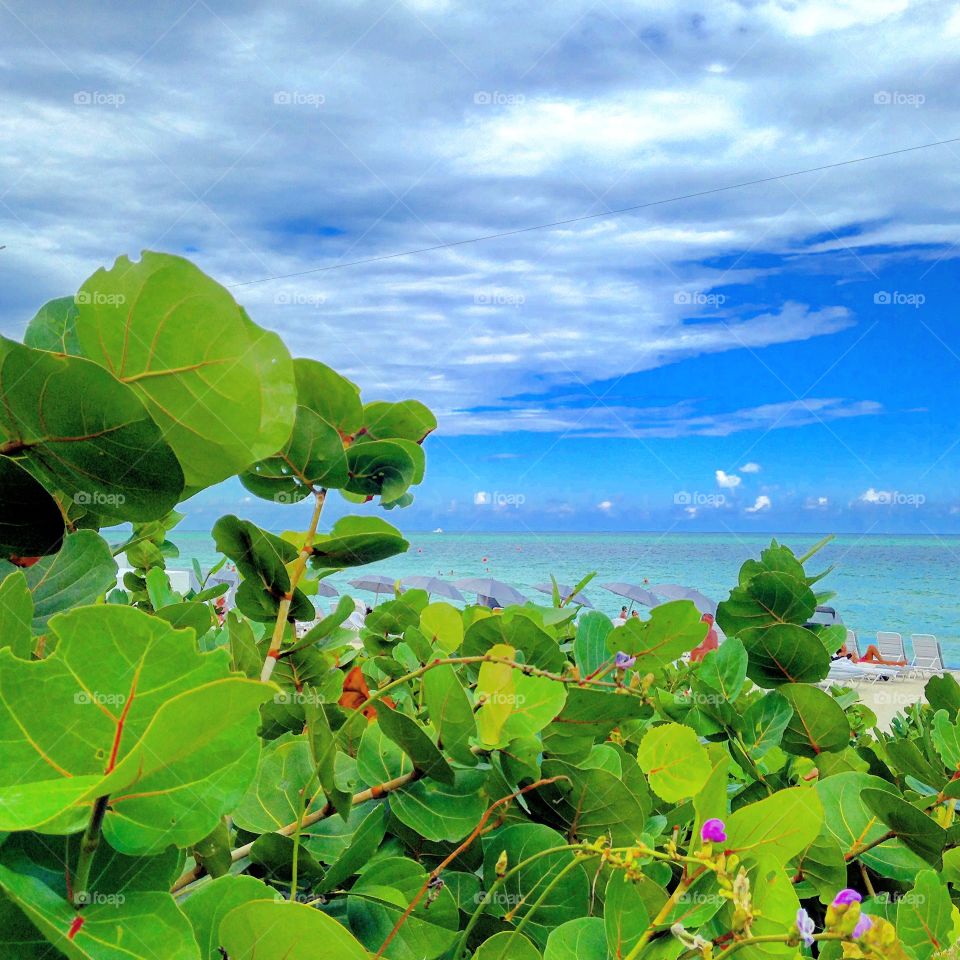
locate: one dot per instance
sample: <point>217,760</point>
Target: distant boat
<point>438,530</point>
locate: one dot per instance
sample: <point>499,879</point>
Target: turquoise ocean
<point>908,584</point>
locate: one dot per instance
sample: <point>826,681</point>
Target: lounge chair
<point>927,655</point>
<point>851,643</point>
<point>844,670</point>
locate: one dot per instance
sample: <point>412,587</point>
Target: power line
<point>595,216</point>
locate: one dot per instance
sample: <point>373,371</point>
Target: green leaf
<point>381,895</point>
<point>283,930</point>
<point>822,865</point>
<point>54,327</point>
<point>784,653</point>
<point>405,420</point>
<point>778,827</point>
<point>674,760</point>
<point>946,739</point>
<point>367,826</point>
<point>285,781</point>
<point>590,644</point>
<point>451,713</point>
<point>354,541</point>
<point>507,945</point>
<point>924,922</point>
<point>412,739</point>
<point>31,524</point>
<point>77,574</point>
<point>860,826</point>
<point>211,902</point>
<point>105,454</point>
<point>625,915</point>
<point>214,852</point>
<point>673,629</point>
<point>818,723</point>
<point>540,649</point>
<point>764,722</point>
<point>223,399</point>
<point>442,624</point>
<point>131,710</point>
<point>770,597</point>
<point>16,613</point>
<point>383,468</point>
<point>567,900</point>
<point>943,693</point>
<point>580,939</point>
<point>725,669</point>
<point>323,751</point>
<point>917,831</point>
<point>117,928</point>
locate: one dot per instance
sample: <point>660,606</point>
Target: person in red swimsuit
<point>710,642</point>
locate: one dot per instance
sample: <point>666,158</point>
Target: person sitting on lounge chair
<point>872,655</point>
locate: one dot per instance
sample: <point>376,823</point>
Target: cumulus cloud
<point>729,481</point>
<point>871,495</point>
<point>301,146</point>
<point>605,505</point>
<point>761,503</point>
<point>750,468</point>
<point>816,503</point>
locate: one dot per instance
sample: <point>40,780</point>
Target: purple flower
<point>624,661</point>
<point>806,927</point>
<point>713,831</point>
<point>845,897</point>
<point>863,925</point>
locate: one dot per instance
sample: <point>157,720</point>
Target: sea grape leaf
<point>412,739</point>
<point>274,853</point>
<point>382,894</point>
<point>764,722</point>
<point>540,649</point>
<point>404,420</point>
<point>285,930</point>
<point>16,614</point>
<point>725,669</point>
<point>214,852</point>
<point>674,760</point>
<point>354,541</point>
<point>673,629</point>
<point>586,717</point>
<point>568,898</point>
<point>860,826</point>
<point>450,712</point>
<point>54,327</point>
<point>131,711</point>
<point>77,574</point>
<point>711,801</point>
<point>383,468</point>
<point>818,723</point>
<point>924,921</point>
<point>625,915</point>
<point>776,904</point>
<point>285,782</point>
<point>507,945</point>
<point>777,827</point>
<point>765,599</point>
<point>323,751</point>
<point>442,624</point>
<point>946,739</point>
<point>329,394</point>
<point>822,865</point>
<point>220,388</point>
<point>211,902</point>
<point>116,929</point>
<point>943,693</point>
<point>580,939</point>
<point>915,829</point>
<point>368,827</point>
<point>590,643</point>
<point>104,454</point>
<point>784,653</point>
<point>31,524</point>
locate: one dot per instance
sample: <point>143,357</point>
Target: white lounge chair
<point>927,655</point>
<point>891,646</point>
<point>851,643</point>
<point>844,671</point>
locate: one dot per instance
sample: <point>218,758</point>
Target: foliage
<point>443,783</point>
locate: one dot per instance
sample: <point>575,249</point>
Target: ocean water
<point>908,584</point>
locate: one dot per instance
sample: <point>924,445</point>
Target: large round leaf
<point>31,523</point>
<point>55,327</point>
<point>784,653</point>
<point>768,598</point>
<point>913,827</point>
<point>674,760</point>
<point>777,827</point>
<point>221,388</point>
<point>354,541</point>
<point>83,433</point>
<point>406,420</point>
<point>818,723</point>
<point>383,468</point>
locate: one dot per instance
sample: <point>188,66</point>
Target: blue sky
<point>782,357</point>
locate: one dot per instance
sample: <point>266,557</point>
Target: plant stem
<point>88,847</point>
<point>682,887</point>
<point>575,862</point>
<point>296,851</point>
<point>276,641</point>
<point>818,546</point>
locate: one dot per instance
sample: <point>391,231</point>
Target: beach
<point>887,698</point>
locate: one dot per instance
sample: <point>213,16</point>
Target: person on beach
<point>873,655</point>
<point>623,612</point>
<point>710,642</point>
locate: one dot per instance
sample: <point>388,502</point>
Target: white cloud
<point>816,503</point>
<point>729,481</point>
<point>870,495</point>
<point>605,505</point>
<point>691,512</point>
<point>761,503</point>
<point>750,468</point>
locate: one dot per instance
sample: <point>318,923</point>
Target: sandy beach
<point>887,698</point>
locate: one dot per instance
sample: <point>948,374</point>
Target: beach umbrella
<point>374,584</point>
<point>632,592</point>
<point>325,589</point>
<point>565,593</point>
<point>433,585</point>
<point>501,594</point>
<point>674,591</point>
